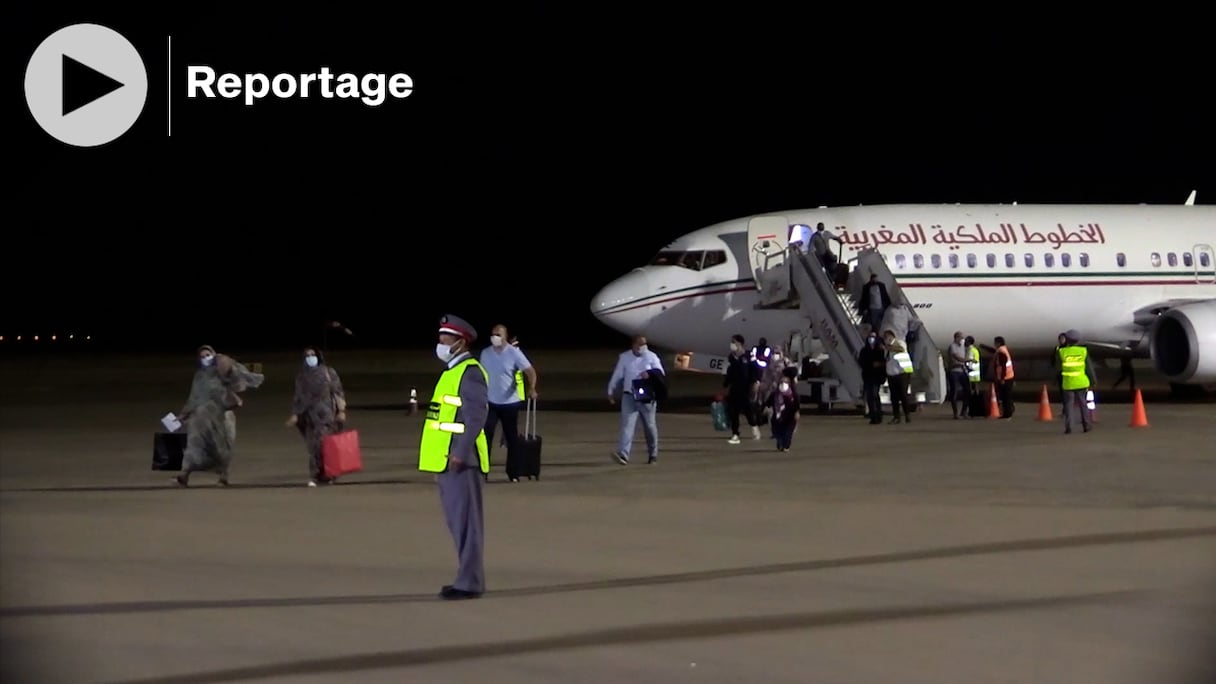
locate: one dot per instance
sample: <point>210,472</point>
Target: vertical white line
<point>169,95</point>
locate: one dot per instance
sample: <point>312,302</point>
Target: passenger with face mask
<point>454,447</point>
<point>635,376</point>
<point>740,381</point>
<point>503,362</point>
<point>785,405</point>
<point>873,361</point>
<point>318,409</point>
<point>208,414</point>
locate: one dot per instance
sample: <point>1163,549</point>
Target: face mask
<point>443,352</point>
<point>776,357</point>
<point>310,361</point>
<point>871,340</point>
<point>640,350</point>
<point>734,347</point>
<point>785,386</point>
<point>207,361</point>
<point>496,340</point>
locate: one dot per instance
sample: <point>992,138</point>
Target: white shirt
<point>958,349</point>
<point>629,367</point>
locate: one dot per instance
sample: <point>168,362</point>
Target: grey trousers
<point>1076,399</point>
<point>460,496</point>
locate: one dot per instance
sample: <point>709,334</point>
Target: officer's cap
<point>455,325</point>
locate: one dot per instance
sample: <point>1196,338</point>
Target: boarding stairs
<point>788,278</point>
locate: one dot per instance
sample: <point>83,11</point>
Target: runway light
<point>18,338</point>
<point>54,337</point>
<point>71,337</point>
<point>35,338</point>
<point>1,338</point>
<point>88,337</point>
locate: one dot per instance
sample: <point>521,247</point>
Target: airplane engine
<point>1183,343</point>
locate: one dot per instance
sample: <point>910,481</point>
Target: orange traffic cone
<point>1044,406</point>
<point>1139,419</point>
<point>994,409</point>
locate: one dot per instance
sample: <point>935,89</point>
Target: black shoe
<point>450,593</point>
<point>182,481</point>
<point>652,460</point>
<point>1068,431</point>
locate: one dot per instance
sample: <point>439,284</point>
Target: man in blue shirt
<point>502,361</point>
<point>635,364</point>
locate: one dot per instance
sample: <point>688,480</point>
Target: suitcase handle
<point>530,418</point>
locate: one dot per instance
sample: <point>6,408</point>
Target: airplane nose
<point>621,304</point>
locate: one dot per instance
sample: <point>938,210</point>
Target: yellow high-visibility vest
<point>441,422</point>
<point>1072,364</point>
<point>973,372</point>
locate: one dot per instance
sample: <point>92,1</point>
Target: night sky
<point>543,154</point>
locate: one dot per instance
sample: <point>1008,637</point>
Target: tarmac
<point>935,551</point>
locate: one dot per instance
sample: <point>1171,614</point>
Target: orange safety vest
<point>1005,373</point>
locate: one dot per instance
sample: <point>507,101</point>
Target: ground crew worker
<point>1076,377</point>
<point>453,446</point>
<point>973,377</point>
<point>1002,377</point>
<point>899,374</point>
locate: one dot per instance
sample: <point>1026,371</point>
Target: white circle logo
<point>86,85</point>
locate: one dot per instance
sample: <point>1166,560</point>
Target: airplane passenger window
<point>1049,259</point>
<point>689,260</point>
<point>1187,260</point>
<point>1171,259</point>
<point>991,261</point>
<point>972,262</point>
<point>1066,260</point>
<point>1009,260</point>
<point>1029,260</point>
<point>1156,259</point>
<point>937,260</point>
<point>953,261</point>
<point>918,261</point>
<point>901,261</point>
<point>1084,256</point>
<point>1203,260</point>
<point>713,258</point>
<point>1121,259</point>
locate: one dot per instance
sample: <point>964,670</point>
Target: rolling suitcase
<point>168,448</point>
<point>524,459</point>
<point>340,454</point>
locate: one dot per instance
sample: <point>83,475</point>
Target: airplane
<point>1138,281</point>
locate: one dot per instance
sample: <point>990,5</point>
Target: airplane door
<point>1205,264</point>
<point>767,239</point>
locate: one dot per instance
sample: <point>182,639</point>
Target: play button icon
<point>86,85</point>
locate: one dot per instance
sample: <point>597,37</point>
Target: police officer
<point>454,447</point>
<point>1076,377</point>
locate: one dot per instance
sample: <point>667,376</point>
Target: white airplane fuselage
<point>1024,272</point>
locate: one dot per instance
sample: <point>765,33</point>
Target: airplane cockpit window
<point>1066,260</point>
<point>1029,260</point>
<point>953,261</point>
<point>1155,258</point>
<point>972,261</point>
<point>1009,261</point>
<point>689,260</point>
<point>1121,259</point>
<point>991,261</point>
<point>1187,260</point>
<point>918,261</point>
<point>1084,257</point>
<point>1049,259</point>
<point>713,258</point>
<point>1171,259</point>
<point>901,261</point>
